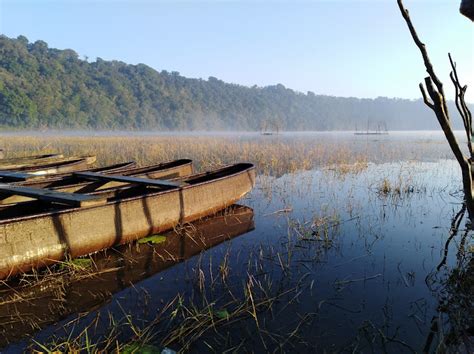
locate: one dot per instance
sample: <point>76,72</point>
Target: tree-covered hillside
<point>46,87</point>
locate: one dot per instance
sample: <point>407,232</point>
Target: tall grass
<point>270,156</point>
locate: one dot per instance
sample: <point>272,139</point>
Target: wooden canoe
<point>63,165</point>
<point>165,170</point>
<point>22,309</point>
<point>30,238</point>
<point>18,162</point>
<point>19,177</point>
<point>75,184</point>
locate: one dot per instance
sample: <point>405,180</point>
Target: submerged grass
<point>217,313</point>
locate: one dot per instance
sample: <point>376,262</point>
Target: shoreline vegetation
<point>44,88</point>
<point>273,157</point>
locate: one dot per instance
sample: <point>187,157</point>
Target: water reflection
<point>452,328</point>
<point>26,308</point>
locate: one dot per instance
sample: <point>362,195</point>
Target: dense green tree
<point>47,87</point>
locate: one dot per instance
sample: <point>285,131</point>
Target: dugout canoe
<point>18,177</point>
<point>164,170</point>
<point>63,165</point>
<point>72,183</point>
<point>22,310</point>
<point>30,238</point>
<point>18,162</point>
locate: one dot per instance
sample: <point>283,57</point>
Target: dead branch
<point>425,98</point>
<point>461,105</point>
<point>435,92</point>
<point>424,53</point>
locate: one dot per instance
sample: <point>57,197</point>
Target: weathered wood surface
<point>19,162</point>
<point>15,176</point>
<point>93,176</point>
<point>65,165</point>
<point>18,176</point>
<point>30,238</point>
<point>74,184</point>
<point>30,158</point>
<point>71,199</point>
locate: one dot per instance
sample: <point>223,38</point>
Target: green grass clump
<point>154,239</point>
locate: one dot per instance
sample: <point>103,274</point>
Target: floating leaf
<point>222,314</point>
<point>154,239</point>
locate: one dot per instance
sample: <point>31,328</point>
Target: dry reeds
<point>271,157</point>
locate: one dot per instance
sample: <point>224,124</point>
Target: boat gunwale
<point>169,164</point>
<point>115,166</point>
<point>32,158</point>
<point>70,175</point>
<point>244,168</point>
<point>37,168</point>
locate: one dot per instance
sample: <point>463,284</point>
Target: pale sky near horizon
<point>339,47</point>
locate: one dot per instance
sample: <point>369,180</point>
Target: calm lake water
<point>336,259</point>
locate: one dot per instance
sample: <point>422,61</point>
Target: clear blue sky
<point>336,47</point>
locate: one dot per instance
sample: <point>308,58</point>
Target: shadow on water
<point>452,328</point>
<point>25,308</point>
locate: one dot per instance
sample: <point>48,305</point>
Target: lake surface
<point>340,258</point>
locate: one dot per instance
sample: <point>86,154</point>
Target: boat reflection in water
<point>25,309</point>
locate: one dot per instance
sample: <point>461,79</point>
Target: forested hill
<point>46,87</point>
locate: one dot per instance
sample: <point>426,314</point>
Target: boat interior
<point>49,201</point>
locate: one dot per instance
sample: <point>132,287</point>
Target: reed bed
<point>273,156</point>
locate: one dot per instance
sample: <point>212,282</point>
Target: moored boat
<point>73,183</point>
<point>63,165</point>
<point>26,177</point>
<point>165,170</point>
<point>18,162</point>
<point>30,239</point>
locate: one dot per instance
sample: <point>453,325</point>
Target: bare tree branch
<point>463,110</point>
<point>439,105</point>
<point>425,98</point>
<point>424,53</point>
<point>461,105</point>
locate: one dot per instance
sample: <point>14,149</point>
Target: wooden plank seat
<point>160,183</point>
<point>14,176</point>
<point>70,199</point>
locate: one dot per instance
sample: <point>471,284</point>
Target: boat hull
<point>66,166</point>
<point>42,239</point>
<point>63,165</point>
<point>18,162</point>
